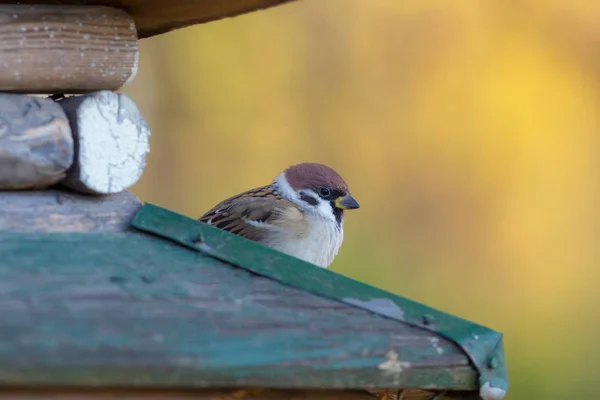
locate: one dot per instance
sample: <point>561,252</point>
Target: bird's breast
<point>317,241</point>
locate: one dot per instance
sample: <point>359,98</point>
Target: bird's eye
<point>325,192</point>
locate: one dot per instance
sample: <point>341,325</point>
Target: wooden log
<point>64,211</point>
<point>158,16</point>
<point>36,146</point>
<point>66,49</point>
<point>223,394</point>
<point>111,142</point>
<point>419,394</point>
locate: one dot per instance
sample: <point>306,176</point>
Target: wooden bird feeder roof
<point>153,17</point>
<point>110,292</point>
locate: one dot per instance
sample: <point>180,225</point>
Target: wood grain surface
<point>158,16</point>
<point>36,146</point>
<point>66,49</point>
<point>134,310</point>
<point>226,394</point>
<point>64,211</point>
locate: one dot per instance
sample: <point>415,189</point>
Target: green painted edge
<point>482,345</point>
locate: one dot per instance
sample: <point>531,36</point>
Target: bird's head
<point>316,189</point>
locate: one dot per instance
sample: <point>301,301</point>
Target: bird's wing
<point>253,214</point>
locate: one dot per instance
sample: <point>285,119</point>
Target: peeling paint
<point>392,364</point>
<point>435,342</point>
<point>381,306</point>
<point>113,140</point>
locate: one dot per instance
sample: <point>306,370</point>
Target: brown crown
<point>314,176</point>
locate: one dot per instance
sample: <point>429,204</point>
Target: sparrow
<point>300,213</point>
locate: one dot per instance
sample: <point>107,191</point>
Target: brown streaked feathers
<point>262,204</point>
<point>300,213</point>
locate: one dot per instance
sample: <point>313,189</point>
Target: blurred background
<point>468,131</point>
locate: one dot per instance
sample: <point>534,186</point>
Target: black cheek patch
<point>309,199</point>
<point>338,214</point>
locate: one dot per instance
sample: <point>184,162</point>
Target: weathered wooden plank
<point>64,211</point>
<point>223,394</point>
<point>132,309</point>
<point>111,142</point>
<point>66,49</point>
<point>483,345</point>
<point>158,16</point>
<point>36,146</point>
<point>419,394</point>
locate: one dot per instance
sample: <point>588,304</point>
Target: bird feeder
<point>103,296</point>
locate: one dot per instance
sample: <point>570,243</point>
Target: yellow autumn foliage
<point>468,131</point>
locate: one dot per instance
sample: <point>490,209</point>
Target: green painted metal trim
<point>482,345</point>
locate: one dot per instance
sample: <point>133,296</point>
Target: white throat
<point>284,188</point>
<point>320,238</point>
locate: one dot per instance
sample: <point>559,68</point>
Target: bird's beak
<point>346,203</point>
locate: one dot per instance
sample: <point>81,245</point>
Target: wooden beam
<point>50,393</point>
<point>66,49</point>
<point>111,142</point>
<point>224,394</point>
<point>36,146</point>
<point>64,211</point>
<point>154,17</point>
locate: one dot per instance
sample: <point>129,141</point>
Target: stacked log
<point>93,142</point>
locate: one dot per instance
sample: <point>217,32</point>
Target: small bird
<point>300,213</point>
